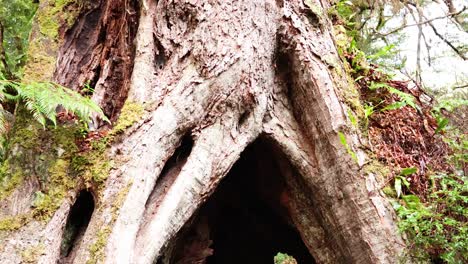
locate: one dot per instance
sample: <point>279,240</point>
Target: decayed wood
<point>223,73</point>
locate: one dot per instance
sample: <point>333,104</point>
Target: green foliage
<point>43,100</point>
<point>16,32</point>
<point>282,258</point>
<point>449,105</point>
<point>437,228</point>
<point>402,179</point>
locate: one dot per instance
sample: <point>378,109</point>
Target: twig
<point>422,22</point>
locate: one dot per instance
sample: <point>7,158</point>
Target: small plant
<point>437,228</point>
<point>402,179</point>
<point>282,258</point>
<point>344,142</point>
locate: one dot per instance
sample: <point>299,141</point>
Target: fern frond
<point>43,99</point>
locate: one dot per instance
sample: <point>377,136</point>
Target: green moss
<point>59,183</point>
<point>12,223</point>
<point>41,60</point>
<point>32,254</point>
<point>130,114</point>
<point>119,200</point>
<point>25,135</point>
<point>389,191</point>
<point>44,154</point>
<point>44,44</point>
<point>96,250</point>
<point>381,171</point>
<point>52,14</point>
<point>99,171</point>
<point>8,182</point>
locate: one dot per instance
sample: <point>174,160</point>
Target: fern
<point>43,99</point>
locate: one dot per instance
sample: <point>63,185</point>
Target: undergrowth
<point>425,150</point>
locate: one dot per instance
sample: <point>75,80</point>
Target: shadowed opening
<point>169,173</point>
<point>245,220</point>
<point>77,222</point>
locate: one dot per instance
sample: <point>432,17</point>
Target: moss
<point>99,170</point>
<point>96,250</point>
<point>389,191</point>
<point>32,254</point>
<point>130,114</point>
<point>119,200</point>
<point>12,223</point>
<point>43,47</point>
<point>52,15</point>
<point>41,60</point>
<point>44,154</point>
<point>376,168</point>
<point>59,183</point>
<point>25,135</point>
<point>8,182</point>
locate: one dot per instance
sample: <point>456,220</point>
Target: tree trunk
<point>218,80</point>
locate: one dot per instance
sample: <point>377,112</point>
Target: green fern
<point>43,99</point>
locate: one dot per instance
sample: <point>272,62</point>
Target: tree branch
<point>422,22</point>
<point>429,22</point>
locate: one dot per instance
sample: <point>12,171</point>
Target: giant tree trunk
<point>213,77</point>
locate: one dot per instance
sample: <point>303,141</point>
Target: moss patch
<point>130,114</point>
<point>96,250</point>
<point>54,13</point>
<point>12,223</point>
<point>8,182</point>
<point>59,184</point>
<point>32,254</point>
<point>44,45</point>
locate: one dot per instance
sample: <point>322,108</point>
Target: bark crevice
<point>166,178</point>
<point>77,222</point>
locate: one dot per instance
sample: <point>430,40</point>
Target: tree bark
<point>213,77</point>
